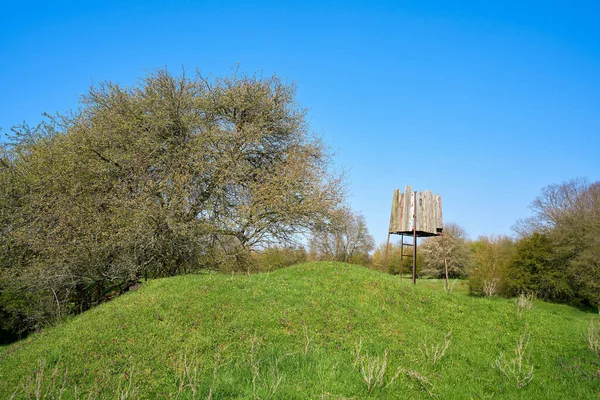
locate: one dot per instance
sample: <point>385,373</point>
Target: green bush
<point>277,257</point>
<point>536,268</point>
<point>491,256</point>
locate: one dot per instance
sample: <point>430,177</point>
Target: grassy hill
<point>317,330</point>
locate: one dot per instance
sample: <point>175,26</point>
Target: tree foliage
<point>454,245</point>
<point>567,216</point>
<point>396,265</point>
<point>276,257</point>
<point>491,257</point>
<point>165,177</point>
<point>536,268</point>
<point>344,238</point>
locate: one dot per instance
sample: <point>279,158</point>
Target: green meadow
<point>313,331</point>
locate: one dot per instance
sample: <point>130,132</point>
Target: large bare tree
<point>171,175</point>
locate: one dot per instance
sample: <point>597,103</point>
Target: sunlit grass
<point>294,333</point>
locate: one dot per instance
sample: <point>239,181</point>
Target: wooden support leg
<point>387,248</point>
<point>414,271</point>
<point>445,259</point>
<point>401,255</point>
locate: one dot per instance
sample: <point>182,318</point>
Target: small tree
<point>491,256</point>
<point>457,253</point>
<point>535,268</point>
<point>396,265</point>
<point>275,257</point>
<point>344,238</point>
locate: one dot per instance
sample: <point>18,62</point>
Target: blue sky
<point>483,103</point>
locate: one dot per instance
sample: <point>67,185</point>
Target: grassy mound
<point>317,330</point>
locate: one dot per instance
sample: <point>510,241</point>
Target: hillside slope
<point>317,330</point>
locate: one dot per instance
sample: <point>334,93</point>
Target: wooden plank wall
<point>407,217</point>
<point>428,207</point>
<point>394,217</point>
<point>439,225</point>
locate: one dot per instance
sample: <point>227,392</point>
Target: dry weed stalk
<point>524,303</point>
<point>373,370</point>
<point>593,337</point>
<point>517,369</point>
<point>188,374</point>
<point>216,365</point>
<point>307,340</point>
<point>450,289</point>
<point>43,384</point>
<point>271,382</point>
<point>416,376</point>
<point>39,386</point>
<point>127,392</point>
<point>254,365</point>
<point>335,396</point>
<point>489,287</point>
<point>357,350</point>
<point>436,352</point>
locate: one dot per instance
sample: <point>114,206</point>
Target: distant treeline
<point>556,254</point>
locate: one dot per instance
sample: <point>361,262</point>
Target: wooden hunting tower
<point>416,214</point>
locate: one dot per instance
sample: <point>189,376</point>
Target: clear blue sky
<point>482,102</point>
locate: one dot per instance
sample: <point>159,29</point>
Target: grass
<point>313,331</point>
